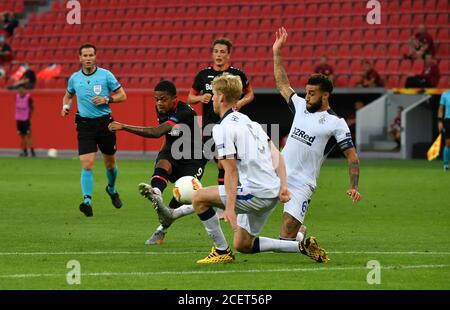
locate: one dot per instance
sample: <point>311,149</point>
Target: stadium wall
<point>50,130</point>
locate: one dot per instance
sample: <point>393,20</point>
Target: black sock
<point>255,248</point>
<point>221,177</point>
<point>174,204</point>
<point>159,179</point>
<point>223,251</point>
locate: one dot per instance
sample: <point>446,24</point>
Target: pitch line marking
<point>159,273</point>
<point>199,252</point>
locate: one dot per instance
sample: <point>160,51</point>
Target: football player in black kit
<point>178,123</point>
<point>201,92</point>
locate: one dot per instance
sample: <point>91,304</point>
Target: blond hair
<point>229,85</point>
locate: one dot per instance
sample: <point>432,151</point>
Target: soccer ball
<point>184,189</point>
<point>52,153</point>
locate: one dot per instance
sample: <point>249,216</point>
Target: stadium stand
<point>144,41</point>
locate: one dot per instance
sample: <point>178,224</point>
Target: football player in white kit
<point>249,157</point>
<point>315,130</point>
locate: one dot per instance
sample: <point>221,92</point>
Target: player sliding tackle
<point>251,159</point>
<point>310,140</point>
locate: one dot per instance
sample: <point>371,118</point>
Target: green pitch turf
<point>403,223</point>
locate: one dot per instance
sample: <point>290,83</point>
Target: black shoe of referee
<point>86,208</point>
<point>115,199</point>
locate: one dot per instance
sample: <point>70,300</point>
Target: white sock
<point>183,211</point>
<point>269,244</point>
<point>300,237</point>
<point>214,231</point>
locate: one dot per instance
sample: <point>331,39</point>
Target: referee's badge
<point>97,89</point>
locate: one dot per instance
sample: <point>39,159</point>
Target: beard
<point>316,106</point>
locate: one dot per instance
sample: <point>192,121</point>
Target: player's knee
<point>197,202</point>
<point>87,164</point>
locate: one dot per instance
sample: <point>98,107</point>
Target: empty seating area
<point>142,41</point>
<point>11,6</point>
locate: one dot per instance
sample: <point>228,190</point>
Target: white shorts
<point>298,205</point>
<point>252,212</point>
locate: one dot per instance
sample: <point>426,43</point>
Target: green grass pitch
<point>403,223</point>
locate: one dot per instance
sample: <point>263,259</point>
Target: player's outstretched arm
<point>353,169</point>
<point>281,78</point>
<point>147,132</point>
<point>67,102</point>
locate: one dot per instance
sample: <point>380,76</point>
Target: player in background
<point>96,89</point>
<point>24,110</point>
<point>255,179</point>
<point>201,92</point>
<point>315,130</point>
<point>444,125</point>
<point>177,120</point>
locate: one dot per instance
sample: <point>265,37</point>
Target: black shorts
<point>23,127</point>
<point>93,132</point>
<point>181,168</point>
<point>447,128</point>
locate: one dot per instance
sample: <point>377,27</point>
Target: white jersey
<point>238,136</point>
<point>310,141</point>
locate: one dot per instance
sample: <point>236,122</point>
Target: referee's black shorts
<point>447,128</point>
<point>93,132</point>
<point>181,167</point>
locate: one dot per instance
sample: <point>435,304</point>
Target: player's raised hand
<point>281,37</point>
<point>230,216</point>
<point>284,195</point>
<point>113,126</point>
<point>354,195</point>
<point>206,98</point>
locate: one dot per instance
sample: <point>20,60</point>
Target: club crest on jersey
<point>97,89</point>
<point>322,119</point>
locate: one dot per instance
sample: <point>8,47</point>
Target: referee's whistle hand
<point>99,100</point>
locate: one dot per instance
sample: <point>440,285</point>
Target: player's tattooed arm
<point>353,169</point>
<point>281,78</point>
<point>354,174</point>
<point>146,132</point>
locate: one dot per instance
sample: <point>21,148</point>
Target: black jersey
<point>183,119</point>
<point>202,85</point>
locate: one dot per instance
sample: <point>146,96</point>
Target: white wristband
<point>66,107</point>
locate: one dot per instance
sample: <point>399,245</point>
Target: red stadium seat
<point>341,81</point>
<point>393,81</point>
